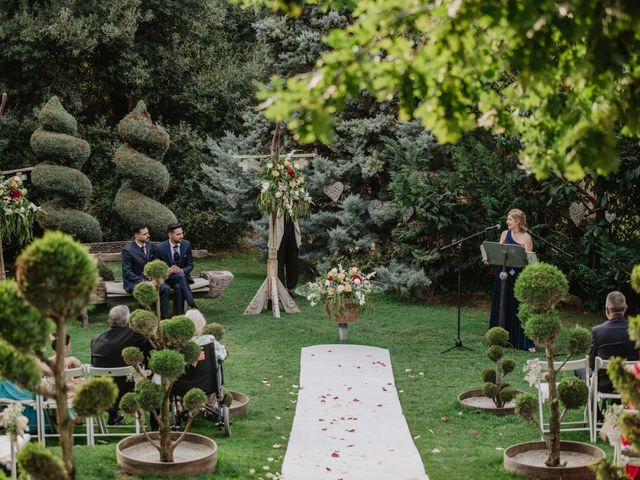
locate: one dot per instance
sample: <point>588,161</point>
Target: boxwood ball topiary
<point>506,394</point>
<point>21,325</point>
<point>573,392</point>
<point>149,395</point>
<point>489,375</point>
<point>94,396</point>
<point>145,294</point>
<point>508,365</point>
<point>215,329</point>
<point>191,352</point>
<point>167,363</point>
<point>56,275</point>
<point>18,367</point>
<point>526,406</point>
<point>58,178</point>
<point>541,286</point>
<point>497,336</point>
<point>132,356</point>
<point>177,331</point>
<point>129,403</point>
<point>39,463</point>
<point>194,400</point>
<point>543,328</point>
<point>579,341</point>
<point>495,353</point>
<point>156,270</point>
<point>490,390</point>
<point>143,322</point>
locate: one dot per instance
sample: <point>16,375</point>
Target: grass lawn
<point>264,348</point>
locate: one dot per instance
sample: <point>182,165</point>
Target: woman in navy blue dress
<point>515,235</point>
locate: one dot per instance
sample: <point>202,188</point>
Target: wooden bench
<point>209,284</point>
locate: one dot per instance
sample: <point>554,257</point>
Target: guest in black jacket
<point>611,338</point>
<point>106,352</point>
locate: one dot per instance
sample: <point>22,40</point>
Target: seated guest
<point>134,257</point>
<point>69,362</point>
<point>199,321</point>
<point>611,338</point>
<point>106,351</point>
<point>176,253</point>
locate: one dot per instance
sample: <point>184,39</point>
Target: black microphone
<point>493,227</point>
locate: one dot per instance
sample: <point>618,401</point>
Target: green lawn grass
<point>265,348</point>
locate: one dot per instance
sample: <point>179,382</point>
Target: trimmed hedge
<point>81,225</point>
<point>138,162</point>
<point>67,183</point>
<point>136,209</point>
<point>58,176</point>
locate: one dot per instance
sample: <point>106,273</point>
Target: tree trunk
<point>65,424</point>
<point>553,443</point>
<point>164,430</point>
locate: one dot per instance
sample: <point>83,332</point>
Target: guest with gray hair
<point>199,322</point>
<point>611,338</point>
<point>106,351</point>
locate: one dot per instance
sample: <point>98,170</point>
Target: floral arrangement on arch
<point>16,211</point>
<point>339,287</point>
<point>282,189</point>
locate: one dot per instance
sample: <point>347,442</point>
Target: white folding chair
<point>542,387</point>
<point>44,405</point>
<point>596,396</point>
<point>102,426</point>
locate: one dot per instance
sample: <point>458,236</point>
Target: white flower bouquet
<point>282,189</point>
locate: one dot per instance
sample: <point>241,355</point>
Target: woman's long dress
<point>517,338</point>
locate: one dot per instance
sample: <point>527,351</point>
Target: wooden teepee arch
<point>272,288</point>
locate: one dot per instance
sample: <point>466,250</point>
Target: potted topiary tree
<point>496,396</point>
<point>55,276</point>
<point>173,350</point>
<point>539,288</point>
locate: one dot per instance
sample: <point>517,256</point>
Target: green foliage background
<point>195,63</point>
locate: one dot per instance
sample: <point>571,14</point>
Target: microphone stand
<point>555,248</point>
<point>458,244</point>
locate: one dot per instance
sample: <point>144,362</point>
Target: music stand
<point>506,256</point>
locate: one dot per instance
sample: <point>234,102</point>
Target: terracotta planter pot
<point>527,460</point>
<point>475,400</point>
<point>352,311</point>
<point>195,455</point>
<point>240,403</point>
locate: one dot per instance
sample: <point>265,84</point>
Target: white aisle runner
<point>349,423</point>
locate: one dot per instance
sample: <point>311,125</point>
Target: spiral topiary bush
<point>138,162</point>
<point>58,176</point>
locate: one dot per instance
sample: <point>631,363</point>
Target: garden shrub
<point>58,177</point>
<point>138,162</point>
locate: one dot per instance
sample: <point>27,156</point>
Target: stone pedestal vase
<point>195,455</point>
<point>527,460</point>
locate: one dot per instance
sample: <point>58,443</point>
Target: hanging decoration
<point>334,190</point>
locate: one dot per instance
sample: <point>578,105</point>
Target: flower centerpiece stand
<point>282,193</point>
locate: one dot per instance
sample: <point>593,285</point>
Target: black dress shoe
<point>193,305</point>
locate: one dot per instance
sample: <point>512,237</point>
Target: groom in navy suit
<point>134,257</point>
<point>176,252</point>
